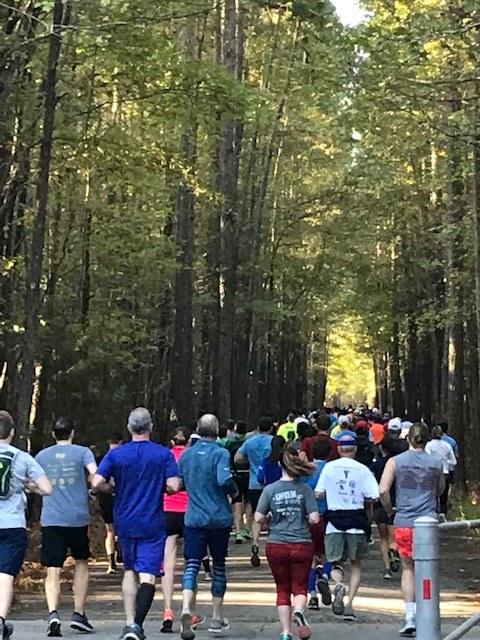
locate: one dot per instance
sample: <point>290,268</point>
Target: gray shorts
<point>340,547</point>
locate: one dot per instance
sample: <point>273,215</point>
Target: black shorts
<point>106,503</point>
<point>13,545</point>
<point>241,480</point>
<point>174,521</point>
<point>254,497</point>
<point>60,542</point>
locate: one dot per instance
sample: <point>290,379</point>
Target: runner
<point>349,487</point>
<point>255,450</point>
<point>18,472</point>
<point>443,450</point>
<point>271,468</point>
<point>241,509</point>
<point>293,508</point>
<point>418,479</point>
<point>175,507</point>
<point>343,428</point>
<point>323,433</point>
<point>141,471</point>
<point>106,503</point>
<point>288,429</point>
<point>65,519</point>
<point>397,443</point>
<point>207,478</point>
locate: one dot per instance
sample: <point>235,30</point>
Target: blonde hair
<point>294,465</point>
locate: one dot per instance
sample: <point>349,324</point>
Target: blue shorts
<point>13,545</point>
<point>143,555</point>
<point>199,542</point>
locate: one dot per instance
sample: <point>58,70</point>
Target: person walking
<point>65,518</point>
<point>443,450</point>
<point>207,477</point>
<point>142,471</point>
<point>419,480</point>
<point>349,488</point>
<point>18,472</point>
<point>292,507</point>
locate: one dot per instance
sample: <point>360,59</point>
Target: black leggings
<point>444,496</point>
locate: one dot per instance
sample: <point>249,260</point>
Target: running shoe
<point>246,534</point>
<point>408,630</point>
<point>286,636</point>
<point>207,576</point>
<point>167,624</point>
<point>255,559</point>
<point>6,629</point>
<point>338,605</point>
<point>324,589</point>
<point>239,539</point>
<point>394,559</point>
<point>349,615</point>
<point>79,622</point>
<point>388,574</point>
<point>197,620</point>
<point>111,570</point>
<point>218,626</point>
<point>313,604</point>
<point>186,632</point>
<point>303,628</point>
<point>132,632</point>
<point>54,627</point>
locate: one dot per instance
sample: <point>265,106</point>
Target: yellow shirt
<point>286,428</point>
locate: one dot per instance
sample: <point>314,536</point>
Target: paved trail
<point>250,601</point>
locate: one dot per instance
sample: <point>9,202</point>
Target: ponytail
<point>294,465</point>
<point>418,436</point>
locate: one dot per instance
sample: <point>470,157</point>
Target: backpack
<point>6,464</point>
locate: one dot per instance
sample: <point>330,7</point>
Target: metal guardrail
<point>426,554</point>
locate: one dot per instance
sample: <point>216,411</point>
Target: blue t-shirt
<point>65,465</point>
<point>312,482</point>
<point>140,471</point>
<point>207,477</point>
<point>256,449</point>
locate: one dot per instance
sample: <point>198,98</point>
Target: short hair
<point>115,438</point>
<point>180,436</point>
<point>437,432</point>
<point>207,426</point>
<point>63,428</point>
<point>140,421</point>
<point>323,422</point>
<point>222,431</point>
<point>321,448</point>
<point>6,424</point>
<point>241,427</point>
<point>230,424</point>
<point>265,424</point>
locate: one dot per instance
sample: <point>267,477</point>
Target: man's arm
<point>101,485</point>
<point>386,483</point>
<point>173,484</point>
<point>240,456</point>
<point>41,486</point>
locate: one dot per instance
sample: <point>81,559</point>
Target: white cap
<point>395,424</point>
<point>343,420</point>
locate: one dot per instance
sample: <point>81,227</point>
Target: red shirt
<point>307,446</point>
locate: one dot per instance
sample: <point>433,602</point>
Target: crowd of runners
<point>314,484</point>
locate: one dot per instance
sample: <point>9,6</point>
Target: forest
<point>194,194</point>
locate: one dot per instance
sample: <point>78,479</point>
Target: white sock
<point>410,611</point>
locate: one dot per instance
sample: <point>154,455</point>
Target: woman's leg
<point>168,579</point>
<point>278,556</point>
<point>301,561</point>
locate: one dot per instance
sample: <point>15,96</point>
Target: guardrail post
<point>426,555</point>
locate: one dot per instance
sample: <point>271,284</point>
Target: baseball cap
<point>395,424</point>
<point>347,441</point>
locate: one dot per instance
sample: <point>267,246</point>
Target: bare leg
<point>354,580</point>
<point>384,544</point>
<point>285,617</point>
<point>129,590</point>
<point>408,580</point>
<point>337,575</point>
<point>6,594</point>
<point>188,601</point>
<point>52,588</point>
<point>299,602</point>
<point>217,608</point>
<point>109,539</point>
<point>80,585</point>
<point>238,512</point>
<point>169,562</point>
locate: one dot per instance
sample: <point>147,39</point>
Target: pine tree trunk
<point>61,15</point>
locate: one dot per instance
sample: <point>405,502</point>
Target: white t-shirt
<point>443,450</point>
<point>346,484</point>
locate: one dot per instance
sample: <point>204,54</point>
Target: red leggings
<point>290,564</point>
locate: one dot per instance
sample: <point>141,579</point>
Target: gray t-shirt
<point>289,502</point>
<point>65,465</point>
<point>416,481</point>
<point>12,509</point>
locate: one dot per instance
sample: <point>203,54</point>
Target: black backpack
<point>6,464</point>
